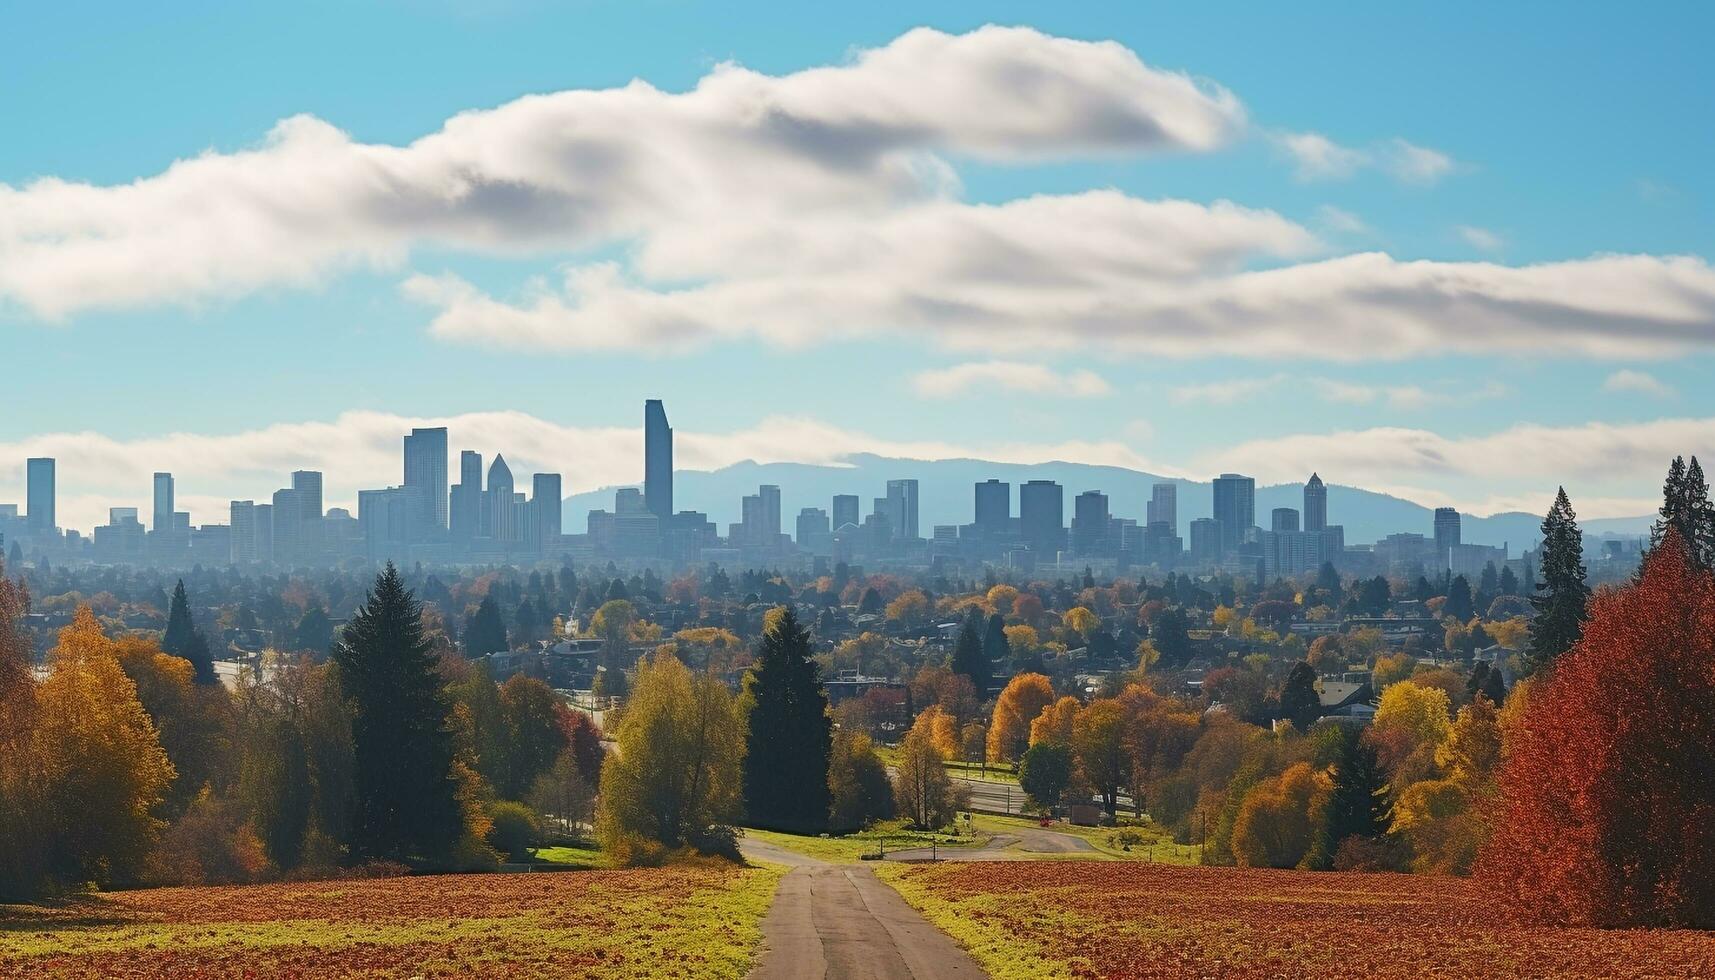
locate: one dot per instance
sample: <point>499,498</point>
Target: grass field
<point>699,921</point>
<point>1120,921</point>
<point>850,848</point>
<point>1158,847</point>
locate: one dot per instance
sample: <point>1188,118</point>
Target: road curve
<point>839,922</point>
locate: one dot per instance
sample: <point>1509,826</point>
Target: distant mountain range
<point>945,497</point>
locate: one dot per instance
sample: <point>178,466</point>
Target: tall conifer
<point>1562,594</point>
<point>788,735</point>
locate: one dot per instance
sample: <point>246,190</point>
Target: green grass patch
<point>851,848</point>
<point>980,923</point>
<point>577,857</point>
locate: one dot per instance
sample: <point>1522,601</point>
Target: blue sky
<point>1564,134</point>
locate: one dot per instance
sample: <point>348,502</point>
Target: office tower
<point>287,526</point>
<point>242,545</point>
<point>501,521</point>
<point>812,525</point>
<point>1235,508</point>
<point>1090,523</point>
<point>264,532</point>
<point>1042,516</point>
<point>1163,506</point>
<point>629,500</point>
<point>464,507</point>
<point>846,510</point>
<point>1205,540</point>
<point>1285,519</point>
<point>162,522</point>
<point>1446,535</point>
<point>386,518</point>
<point>39,495</point>
<point>307,485</point>
<point>1315,504</point>
<point>657,459</point>
<point>993,506</point>
<point>770,495</point>
<point>426,474</point>
<point>545,507</point>
<point>903,496</point>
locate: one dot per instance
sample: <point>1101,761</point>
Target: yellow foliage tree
<point>1054,724</point>
<point>1276,825</point>
<point>940,728</point>
<point>909,609</point>
<point>108,770</point>
<point>1080,620</point>
<point>1001,598</point>
<point>1018,705</point>
<point>1410,725</point>
<point>24,823</point>
<point>1022,639</point>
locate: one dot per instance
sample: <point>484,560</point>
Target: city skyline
<point>1495,229</point>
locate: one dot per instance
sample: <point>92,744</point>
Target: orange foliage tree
<point>1608,791</point>
<point>1018,705</point>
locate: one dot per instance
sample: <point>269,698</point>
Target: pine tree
<point>788,735</point>
<point>1299,702</point>
<point>406,803</point>
<point>1360,805</point>
<point>183,639</point>
<point>995,646</point>
<point>969,659</point>
<point>1459,602</point>
<point>484,632</point>
<point>1562,594</point>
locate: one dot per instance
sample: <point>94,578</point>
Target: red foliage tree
<point>1608,809</point>
<point>583,740</point>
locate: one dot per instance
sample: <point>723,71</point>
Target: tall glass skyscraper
<point>657,460</point>
<point>426,473</point>
<point>163,520</point>
<point>39,475</point>
<point>1235,508</point>
<point>1315,505</point>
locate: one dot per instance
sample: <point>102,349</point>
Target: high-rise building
<point>770,495</point>
<point>1163,506</point>
<point>501,523</point>
<point>1205,540</point>
<point>39,495</point>
<point>847,510</point>
<point>464,508</point>
<point>545,507</point>
<point>241,545</point>
<point>1315,504</point>
<point>993,506</point>
<point>1042,516</point>
<point>387,519</point>
<point>657,459</point>
<point>1285,519</point>
<point>1090,523</point>
<point>812,526</point>
<point>426,474</point>
<point>902,494</point>
<point>1446,535</point>
<point>162,522</point>
<point>1235,508</point>
<point>307,486</point>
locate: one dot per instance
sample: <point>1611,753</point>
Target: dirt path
<point>1017,844</point>
<point>839,922</point>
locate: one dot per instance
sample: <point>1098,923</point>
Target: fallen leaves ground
<point>1122,921</point>
<point>670,922</point>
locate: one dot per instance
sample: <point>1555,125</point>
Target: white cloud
<point>1408,397</point>
<point>1226,392</point>
<point>587,168</point>
<point>1011,375</point>
<point>1640,382</point>
<point>1342,221</point>
<point>1481,239</point>
<point>1316,157</point>
<point>1319,158</point>
<point>1415,164</point>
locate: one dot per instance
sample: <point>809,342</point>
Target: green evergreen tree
<point>969,659</point>
<point>1459,603</point>
<point>1562,594</point>
<point>1299,702</point>
<point>995,647</point>
<point>1328,578</point>
<point>484,632</point>
<point>1685,508</point>
<point>183,639</point>
<point>315,632</point>
<point>1360,805</point>
<point>1508,581</point>
<point>1494,687</point>
<point>405,790</point>
<point>787,733</point>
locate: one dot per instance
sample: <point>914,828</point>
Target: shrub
<point>514,830</point>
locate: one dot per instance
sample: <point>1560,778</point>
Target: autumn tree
<point>921,788</point>
<point>1561,594</point>
<point>107,771</point>
<point>674,780</point>
<point>1098,744</point>
<point>1607,792</point>
<point>1054,724</point>
<point>533,733</point>
<point>296,762</point>
<point>1044,773</point>
<point>859,791</point>
<point>788,735</point>
<point>406,794</point>
<point>192,720</point>
<point>1018,705</point>
<point>23,776</point>
<point>1276,824</point>
<point>910,609</point>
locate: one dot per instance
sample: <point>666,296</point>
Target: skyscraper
<point>1042,516</point>
<point>847,510</point>
<point>903,496</point>
<point>770,495</point>
<point>1235,508</point>
<point>426,474</point>
<point>307,486</point>
<point>464,508</point>
<point>241,541</point>
<point>501,514</point>
<point>1446,535</point>
<point>657,459</point>
<point>993,506</point>
<point>1090,523</point>
<point>1163,506</point>
<point>1315,505</point>
<point>1285,519</point>
<point>163,518</point>
<point>546,506</point>
<point>39,474</point>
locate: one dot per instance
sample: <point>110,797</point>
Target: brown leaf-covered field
<point>1121,921</point>
<point>670,922</point>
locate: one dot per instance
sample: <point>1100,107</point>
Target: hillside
<point>945,497</point>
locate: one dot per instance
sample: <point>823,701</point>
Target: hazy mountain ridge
<point>945,497</point>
